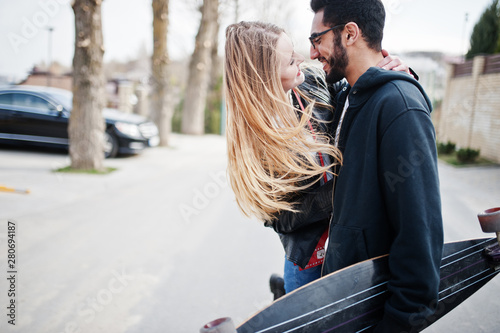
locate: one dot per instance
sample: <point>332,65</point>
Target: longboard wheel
<point>490,220</point>
<point>221,325</point>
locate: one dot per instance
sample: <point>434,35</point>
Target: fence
<point>470,115</point>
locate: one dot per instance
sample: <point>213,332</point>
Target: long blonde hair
<point>271,155</point>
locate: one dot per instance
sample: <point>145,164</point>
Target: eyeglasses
<point>314,37</point>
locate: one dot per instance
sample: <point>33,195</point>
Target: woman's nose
<point>301,59</point>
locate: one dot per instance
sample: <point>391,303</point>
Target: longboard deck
<point>352,299</point>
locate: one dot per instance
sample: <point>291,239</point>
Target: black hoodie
<point>387,197</point>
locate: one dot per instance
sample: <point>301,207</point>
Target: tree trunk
<point>199,71</point>
<point>86,123</point>
<point>214,95</point>
<point>161,101</point>
<point>216,70</point>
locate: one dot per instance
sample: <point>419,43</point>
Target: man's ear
<point>352,33</point>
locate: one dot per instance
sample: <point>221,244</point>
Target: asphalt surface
<point>160,246</point>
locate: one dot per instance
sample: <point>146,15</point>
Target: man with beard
<point>386,197</point>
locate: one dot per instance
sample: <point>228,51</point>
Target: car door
<point>38,120</point>
<point>6,114</point>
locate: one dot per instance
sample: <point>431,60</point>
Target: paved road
<point>160,246</point>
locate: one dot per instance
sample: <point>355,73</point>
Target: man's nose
<point>313,53</point>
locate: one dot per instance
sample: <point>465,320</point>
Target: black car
<point>39,115</point>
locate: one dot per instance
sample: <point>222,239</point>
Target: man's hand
<point>393,63</point>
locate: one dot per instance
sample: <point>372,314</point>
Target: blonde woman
<point>279,154</point>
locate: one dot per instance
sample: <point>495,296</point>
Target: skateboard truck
<point>490,222</point>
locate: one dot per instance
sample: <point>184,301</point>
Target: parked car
<point>39,115</point>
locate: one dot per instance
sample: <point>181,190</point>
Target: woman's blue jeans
<point>294,278</point>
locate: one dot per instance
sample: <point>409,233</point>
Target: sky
<point>25,38</point>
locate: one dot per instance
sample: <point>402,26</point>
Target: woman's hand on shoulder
<point>393,63</point>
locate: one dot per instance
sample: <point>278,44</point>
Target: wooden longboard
<point>351,300</point>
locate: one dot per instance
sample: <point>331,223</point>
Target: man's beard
<point>337,62</point>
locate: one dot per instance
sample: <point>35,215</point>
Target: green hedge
<point>446,148</point>
<point>467,155</point>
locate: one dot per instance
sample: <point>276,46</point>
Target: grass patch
<point>68,169</point>
<point>453,160</point>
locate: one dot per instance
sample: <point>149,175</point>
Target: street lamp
<point>464,48</point>
<point>50,29</point>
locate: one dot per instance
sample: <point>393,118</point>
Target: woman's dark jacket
<point>300,232</point>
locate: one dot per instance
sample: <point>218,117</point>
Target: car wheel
<point>110,145</point>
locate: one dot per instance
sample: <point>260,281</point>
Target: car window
<point>65,98</point>
<point>6,99</point>
<point>26,100</point>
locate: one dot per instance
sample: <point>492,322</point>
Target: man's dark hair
<point>369,15</point>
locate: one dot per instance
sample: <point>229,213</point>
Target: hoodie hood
<point>376,77</point>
